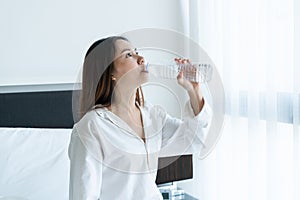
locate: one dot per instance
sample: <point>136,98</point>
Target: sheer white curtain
<point>254,46</point>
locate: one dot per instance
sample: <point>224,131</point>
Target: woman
<point>115,146</point>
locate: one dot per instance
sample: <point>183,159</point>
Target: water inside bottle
<point>200,72</point>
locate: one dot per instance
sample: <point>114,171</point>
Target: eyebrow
<point>127,50</point>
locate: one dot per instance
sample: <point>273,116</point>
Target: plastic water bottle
<point>200,72</point>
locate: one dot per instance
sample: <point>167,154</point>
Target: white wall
<point>45,41</point>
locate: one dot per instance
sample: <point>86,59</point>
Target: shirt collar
<point>104,113</point>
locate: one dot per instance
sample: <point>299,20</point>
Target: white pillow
<point>34,163</point>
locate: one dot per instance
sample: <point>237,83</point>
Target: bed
<point>35,129</point>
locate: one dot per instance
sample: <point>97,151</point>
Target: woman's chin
<point>143,81</point>
<point>144,77</point>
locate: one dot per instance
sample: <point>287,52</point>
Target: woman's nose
<point>140,60</point>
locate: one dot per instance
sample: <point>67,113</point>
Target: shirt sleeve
<point>85,171</point>
<point>185,136</point>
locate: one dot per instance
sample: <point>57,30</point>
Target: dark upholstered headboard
<point>49,109</point>
<point>53,109</point>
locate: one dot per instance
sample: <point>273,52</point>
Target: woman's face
<point>129,67</point>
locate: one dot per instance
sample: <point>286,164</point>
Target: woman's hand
<point>186,84</point>
<point>193,88</point>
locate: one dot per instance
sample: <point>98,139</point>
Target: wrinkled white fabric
<point>34,163</point>
<point>109,161</point>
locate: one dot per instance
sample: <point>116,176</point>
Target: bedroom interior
<point>37,128</point>
<point>255,46</point>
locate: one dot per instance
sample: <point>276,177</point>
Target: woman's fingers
<point>182,60</point>
<point>188,85</point>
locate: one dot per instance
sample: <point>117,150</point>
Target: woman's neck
<point>124,101</point>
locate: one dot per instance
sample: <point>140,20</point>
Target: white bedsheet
<point>34,163</point>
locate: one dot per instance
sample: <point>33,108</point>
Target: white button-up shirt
<point>109,161</point>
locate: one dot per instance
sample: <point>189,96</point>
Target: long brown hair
<point>97,84</point>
